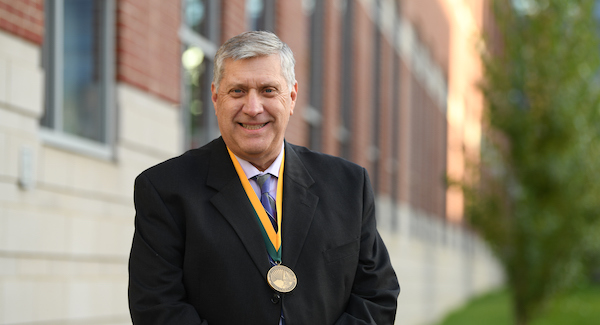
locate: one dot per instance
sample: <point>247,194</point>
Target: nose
<point>253,105</point>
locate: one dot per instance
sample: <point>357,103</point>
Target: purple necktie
<point>266,199</point>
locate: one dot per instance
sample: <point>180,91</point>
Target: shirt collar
<point>252,171</point>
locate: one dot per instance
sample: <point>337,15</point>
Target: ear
<point>293,96</point>
<point>214,96</point>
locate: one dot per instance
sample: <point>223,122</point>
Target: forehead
<point>263,68</point>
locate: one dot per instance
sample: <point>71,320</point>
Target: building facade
<point>92,92</point>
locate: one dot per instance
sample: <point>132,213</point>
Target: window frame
<point>267,18</point>
<point>208,44</point>
<point>53,58</point>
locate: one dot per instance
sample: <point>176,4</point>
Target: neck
<point>262,167</point>
<point>261,162</point>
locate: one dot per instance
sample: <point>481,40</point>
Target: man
<point>218,242</point>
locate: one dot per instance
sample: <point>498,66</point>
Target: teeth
<point>253,126</point>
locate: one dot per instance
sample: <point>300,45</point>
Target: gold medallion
<point>282,278</point>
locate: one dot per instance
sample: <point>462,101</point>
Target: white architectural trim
<point>411,50</point>
<point>76,144</point>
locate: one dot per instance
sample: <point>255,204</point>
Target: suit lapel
<point>299,205</point>
<point>233,204</point>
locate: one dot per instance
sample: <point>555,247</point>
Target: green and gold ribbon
<point>271,238</point>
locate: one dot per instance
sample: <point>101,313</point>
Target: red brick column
<point>148,46</point>
<point>331,78</point>
<point>292,27</point>
<point>361,130</point>
<point>233,18</point>
<point>23,18</point>
<point>386,125</point>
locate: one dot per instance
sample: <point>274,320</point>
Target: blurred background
<point>92,92</point>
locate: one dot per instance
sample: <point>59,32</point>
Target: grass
<point>579,307</point>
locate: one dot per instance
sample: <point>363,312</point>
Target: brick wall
<point>405,140</point>
<point>293,29</point>
<point>147,44</point>
<point>24,18</point>
<point>429,18</point>
<point>149,59</point>
<point>427,161</point>
<point>148,47</point>
<point>362,112</point>
<point>425,167</point>
<point>386,123</point>
<point>233,18</point>
<point>331,79</point>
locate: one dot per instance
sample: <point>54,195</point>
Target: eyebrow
<point>236,85</point>
<point>267,84</point>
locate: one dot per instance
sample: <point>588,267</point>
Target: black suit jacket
<point>198,256</point>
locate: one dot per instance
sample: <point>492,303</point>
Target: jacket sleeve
<point>375,290</point>
<point>156,291</point>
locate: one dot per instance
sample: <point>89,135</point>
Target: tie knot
<point>263,182</point>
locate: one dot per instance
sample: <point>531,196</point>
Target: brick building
<point>92,92</point>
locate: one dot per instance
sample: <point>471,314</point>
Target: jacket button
<point>276,298</point>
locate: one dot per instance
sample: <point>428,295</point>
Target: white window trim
<point>68,142</point>
<point>188,36</point>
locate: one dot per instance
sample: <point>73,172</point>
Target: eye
<point>236,92</point>
<point>270,91</point>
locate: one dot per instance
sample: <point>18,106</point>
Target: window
<point>78,59</point>
<point>260,15</point>
<point>199,35</point>
<point>196,14</point>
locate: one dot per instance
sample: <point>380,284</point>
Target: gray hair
<point>255,44</point>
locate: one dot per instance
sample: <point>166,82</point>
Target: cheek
<point>283,100</point>
<point>226,110</point>
<point>284,106</point>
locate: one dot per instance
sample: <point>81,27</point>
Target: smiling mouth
<point>253,126</point>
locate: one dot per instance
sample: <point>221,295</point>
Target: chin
<point>253,149</point>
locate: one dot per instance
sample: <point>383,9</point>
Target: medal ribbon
<point>272,239</point>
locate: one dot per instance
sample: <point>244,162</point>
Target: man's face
<point>253,106</point>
